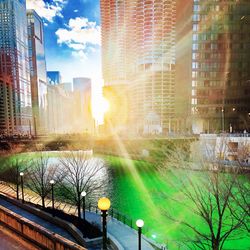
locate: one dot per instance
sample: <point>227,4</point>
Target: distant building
<point>37,71</point>
<point>67,86</point>
<point>61,110</point>
<point>15,89</point>
<point>54,77</point>
<point>82,89</point>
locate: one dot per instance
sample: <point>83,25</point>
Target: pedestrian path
<point>126,237</point>
<point>123,234</point>
<point>31,217</point>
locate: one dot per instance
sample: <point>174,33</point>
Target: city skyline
<point>152,79</point>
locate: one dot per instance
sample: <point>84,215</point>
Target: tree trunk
<point>43,202</point>
<point>79,206</point>
<point>17,191</point>
<point>215,244</point>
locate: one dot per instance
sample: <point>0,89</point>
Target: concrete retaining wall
<point>75,232</point>
<point>35,233</point>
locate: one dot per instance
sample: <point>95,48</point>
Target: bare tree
<point>40,173</point>
<point>11,174</point>
<point>82,173</point>
<point>209,190</point>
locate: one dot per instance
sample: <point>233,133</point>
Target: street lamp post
<point>21,175</point>
<point>52,182</point>
<point>104,205</point>
<point>223,119</point>
<point>139,224</point>
<point>83,194</point>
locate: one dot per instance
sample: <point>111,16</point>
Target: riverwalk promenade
<point>124,237</point>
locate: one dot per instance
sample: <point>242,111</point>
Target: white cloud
<point>47,10</point>
<point>80,35</point>
<point>80,55</point>
<point>77,46</point>
<point>76,11</point>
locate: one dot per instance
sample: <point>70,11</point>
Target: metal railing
<point>72,209</point>
<point>114,213</point>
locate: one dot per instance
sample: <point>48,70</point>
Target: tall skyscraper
<point>15,91</point>
<point>37,71</point>
<point>220,95</point>
<point>138,41</point>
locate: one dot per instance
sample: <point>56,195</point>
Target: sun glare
<point>100,107</point>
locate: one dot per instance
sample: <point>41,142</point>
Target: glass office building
<point>15,91</point>
<point>37,71</point>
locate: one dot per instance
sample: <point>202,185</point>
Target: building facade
<point>138,41</point>
<point>220,80</point>
<point>37,71</point>
<point>60,112</point>
<point>15,89</point>
<point>82,89</point>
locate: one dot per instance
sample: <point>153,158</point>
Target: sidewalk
<point>123,235</point>
<point>31,217</point>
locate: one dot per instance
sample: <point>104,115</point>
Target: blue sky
<point>72,36</point>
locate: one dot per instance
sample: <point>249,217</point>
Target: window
<point>195,65</point>
<point>195,27</point>
<point>194,101</point>
<point>195,46</point>
<point>194,83</point>
<point>196,17</point>
<point>195,37</point>
<point>194,74</point>
<point>196,7</point>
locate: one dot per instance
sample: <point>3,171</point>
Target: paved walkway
<point>123,234</point>
<point>44,223</point>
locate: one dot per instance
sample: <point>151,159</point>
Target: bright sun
<point>100,107</point>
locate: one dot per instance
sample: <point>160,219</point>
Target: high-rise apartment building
<point>220,78</point>
<point>37,71</point>
<point>138,41</point>
<point>15,91</point>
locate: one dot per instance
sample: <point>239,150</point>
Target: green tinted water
<point>141,192</point>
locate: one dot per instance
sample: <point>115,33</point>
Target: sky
<point>73,41</point>
<point>72,36</point>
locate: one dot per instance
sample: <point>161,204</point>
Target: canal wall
<point>150,149</point>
